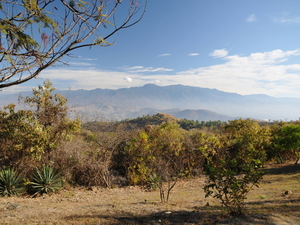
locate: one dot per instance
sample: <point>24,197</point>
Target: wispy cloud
<point>141,69</point>
<point>81,64</point>
<point>193,54</point>
<point>163,55</point>
<point>219,53</point>
<point>251,18</point>
<point>88,59</point>
<point>286,17</point>
<point>135,68</point>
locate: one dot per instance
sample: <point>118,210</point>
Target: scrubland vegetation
<point>43,150</point>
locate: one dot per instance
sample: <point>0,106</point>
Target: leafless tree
<point>36,34</point>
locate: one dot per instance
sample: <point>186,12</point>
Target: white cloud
<point>219,53</point>
<point>163,55</point>
<point>88,79</point>
<point>90,59</point>
<point>251,18</point>
<point>286,17</point>
<point>193,54</point>
<point>80,64</point>
<point>141,69</point>
<point>135,67</point>
<point>257,73</point>
<point>128,79</point>
<point>289,20</point>
<point>84,58</point>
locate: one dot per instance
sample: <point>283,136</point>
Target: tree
<point>106,156</point>
<point>287,139</point>
<point>234,168</point>
<point>195,142</point>
<point>274,152</point>
<point>21,136</point>
<point>155,157</point>
<point>35,35</point>
<point>247,139</point>
<point>34,133</point>
<point>51,112</point>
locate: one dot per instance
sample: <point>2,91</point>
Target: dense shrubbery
<point>112,154</point>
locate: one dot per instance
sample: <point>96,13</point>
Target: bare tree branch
<point>35,35</point>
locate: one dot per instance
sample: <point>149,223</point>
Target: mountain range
<point>193,103</point>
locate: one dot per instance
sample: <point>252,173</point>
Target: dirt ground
<point>275,202</point>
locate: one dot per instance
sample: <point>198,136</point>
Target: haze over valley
<point>193,103</point>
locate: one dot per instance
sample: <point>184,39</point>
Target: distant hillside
<point>201,115</point>
<point>156,119</point>
<point>181,101</point>
<point>151,99</point>
<point>145,121</point>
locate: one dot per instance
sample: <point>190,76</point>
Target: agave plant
<point>46,181</point>
<point>11,182</point>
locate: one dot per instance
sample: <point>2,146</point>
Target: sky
<point>239,46</point>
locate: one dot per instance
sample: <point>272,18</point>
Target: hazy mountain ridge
<point>178,100</point>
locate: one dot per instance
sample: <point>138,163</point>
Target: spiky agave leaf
<point>11,183</point>
<point>46,181</point>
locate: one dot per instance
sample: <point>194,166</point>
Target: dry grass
<point>277,201</point>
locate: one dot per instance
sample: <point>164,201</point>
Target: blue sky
<point>245,47</point>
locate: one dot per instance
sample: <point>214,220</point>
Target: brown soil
<point>276,202</point>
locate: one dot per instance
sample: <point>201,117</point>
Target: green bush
<point>234,167</point>
<point>11,183</point>
<point>45,181</point>
<point>230,186</point>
